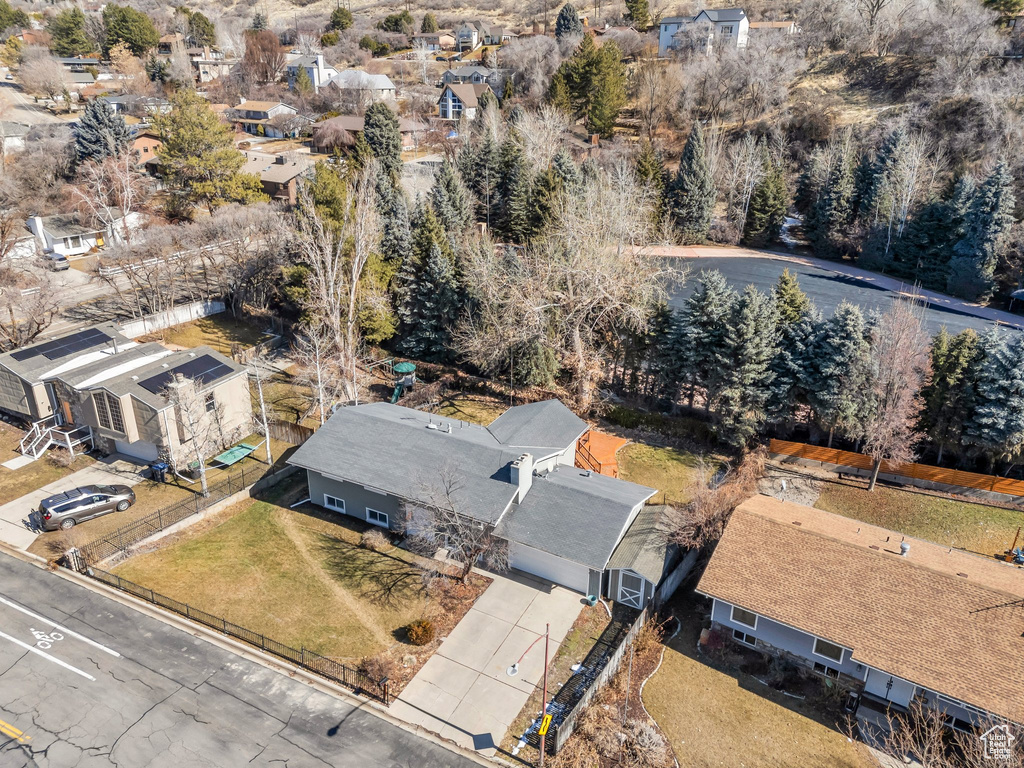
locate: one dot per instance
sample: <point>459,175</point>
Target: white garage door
<point>140,449</point>
<point>550,567</point>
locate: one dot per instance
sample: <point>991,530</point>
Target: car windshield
<point>108,489</point>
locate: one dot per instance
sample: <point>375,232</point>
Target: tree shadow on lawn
<point>377,576</point>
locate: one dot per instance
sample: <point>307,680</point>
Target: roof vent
<point>874,546</point>
<point>904,549</point>
<point>587,473</point>
<point>432,425</point>
<point>962,575</point>
<point>797,522</point>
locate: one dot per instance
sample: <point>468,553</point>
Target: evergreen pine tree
<point>995,424</point>
<point>809,184</point>
<point>429,23</point>
<point>567,170</point>
<point>302,82</point>
<point>480,169</point>
<point>767,210</point>
<point>703,331</point>
<point>750,347</point>
<point>547,188</point>
<point>638,14</point>
<point>691,195</point>
<point>833,209</point>
<point>838,374</point>
<point>791,302</point>
<point>609,90</point>
<point>395,231</point>
<point>67,33</point>
<point>450,201</point>
<point>101,133</point>
<point>791,365</point>
<point>568,23</point>
<point>430,309</point>
<point>259,22</point>
<point>976,254</point>
<point>513,191</point>
<point>662,361</point>
<point>380,127</point>
<point>874,198</point>
<point>947,394</point>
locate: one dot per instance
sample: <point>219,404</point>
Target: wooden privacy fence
<point>920,472</point>
<point>289,432</point>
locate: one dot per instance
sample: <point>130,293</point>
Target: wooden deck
<point>596,451</point>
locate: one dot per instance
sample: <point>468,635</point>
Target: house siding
<point>15,395</point>
<point>357,497</point>
<point>779,637</point>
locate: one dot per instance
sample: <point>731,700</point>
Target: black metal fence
<point>347,676</point>
<point>121,539</point>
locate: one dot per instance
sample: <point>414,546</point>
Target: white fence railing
<point>183,313</point>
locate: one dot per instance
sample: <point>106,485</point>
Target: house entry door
<point>631,589</point>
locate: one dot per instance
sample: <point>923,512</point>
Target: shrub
<point>375,540</point>
<point>420,632</point>
<point>378,667</point>
<point>60,457</point>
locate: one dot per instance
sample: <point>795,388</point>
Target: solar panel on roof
<point>62,347</point>
<point>203,369</point>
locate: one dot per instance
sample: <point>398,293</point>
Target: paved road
<point>19,108</point>
<point>827,284</point>
<point>123,690</point>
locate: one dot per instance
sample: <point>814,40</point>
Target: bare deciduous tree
<point>541,133</point>
<point>441,521</point>
<point>655,85</point>
<point>199,419</point>
<point>29,303</point>
<point>42,75</point>
<point>108,192</point>
<point>316,358</point>
<point>901,362</point>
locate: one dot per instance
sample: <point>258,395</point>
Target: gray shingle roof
<point>544,428</point>
<point>34,369</point>
<point>574,514</point>
<point>129,382</point>
<point>393,449</point>
<point>724,14</point>
<point>643,549</point>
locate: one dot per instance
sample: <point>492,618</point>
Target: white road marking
<point>47,656</point>
<point>71,632</point>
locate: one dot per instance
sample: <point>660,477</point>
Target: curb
<point>251,654</point>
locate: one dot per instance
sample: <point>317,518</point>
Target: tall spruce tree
<point>132,27</point>
<point>609,94</point>
<point>948,394</point>
<point>567,170</point>
<point>976,254</point>
<point>479,167</point>
<point>430,309</point>
<point>547,189</point>
<point>995,425</point>
<point>568,23</point>
<point>67,33</point>
<point>450,202</point>
<point>750,347</point>
<point>513,191</point>
<point>690,197</point>
<point>650,171</point>
<point>767,210</point>
<point>703,331</point>
<point>395,231</point>
<point>873,199</point>
<point>380,127</point>
<point>101,133</point>
<point>638,14</point>
<point>791,302</point>
<point>838,377</point>
<point>832,211</point>
<point>795,324</point>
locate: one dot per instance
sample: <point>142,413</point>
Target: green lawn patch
<point>299,578</point>
<point>670,470</point>
<point>954,523</point>
<point>720,717</point>
<point>17,482</point>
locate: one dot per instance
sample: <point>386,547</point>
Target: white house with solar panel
<point>97,388</point>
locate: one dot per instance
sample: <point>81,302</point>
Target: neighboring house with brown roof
<point>342,131</point>
<point>435,41</point>
<point>279,174</point>
<point>899,619</point>
<point>460,100</point>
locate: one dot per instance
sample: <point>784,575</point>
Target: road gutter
<point>251,654</point>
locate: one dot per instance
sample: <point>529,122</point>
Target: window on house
<point>827,671</point>
<point>727,30</point>
<point>108,411</point>
<point>828,650</point>
<point>377,518</point>
<point>741,616</point>
<point>743,637</point>
<point>211,403</point>
<point>333,502</point>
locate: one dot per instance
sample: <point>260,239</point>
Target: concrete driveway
<point>462,693</point>
<point>15,527</point>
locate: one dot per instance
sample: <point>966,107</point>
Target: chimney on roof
<point>522,475</point>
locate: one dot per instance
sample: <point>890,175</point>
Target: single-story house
<point>111,392</point>
<point>470,74</point>
<point>12,136</point>
<point>897,619</point>
<point>727,27</point>
<point>21,243</point>
<point>72,234</point>
<point>279,174</point>
<point>458,100</point>
<point>268,118</point>
<point>364,88</point>
<point>318,71</point>
<point>378,462</point>
<point>138,105</point>
<point>341,132</point>
<point>435,41</point>
<point>497,35</point>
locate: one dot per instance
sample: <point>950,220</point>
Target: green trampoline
<point>233,455</point>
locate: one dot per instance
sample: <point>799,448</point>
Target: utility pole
<point>544,693</point>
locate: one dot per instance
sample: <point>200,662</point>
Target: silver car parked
<point>67,509</point>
